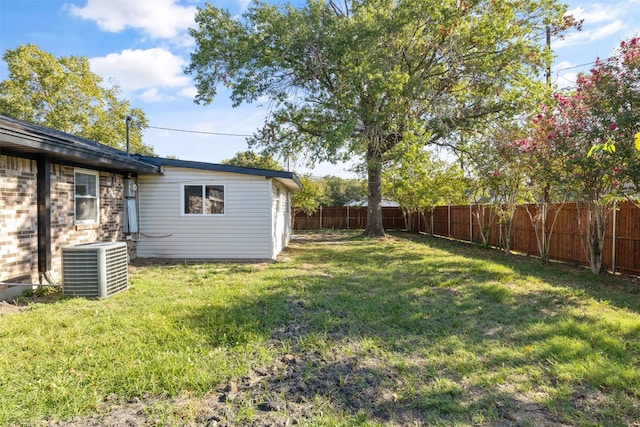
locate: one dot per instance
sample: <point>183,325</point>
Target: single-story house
<point>58,190</point>
<point>196,210</point>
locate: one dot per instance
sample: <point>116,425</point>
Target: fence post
<point>348,226</point>
<point>320,217</point>
<point>449,222</point>
<point>471,222</point>
<point>613,246</point>
<point>432,230</point>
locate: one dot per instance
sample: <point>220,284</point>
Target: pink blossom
<point>613,126</point>
<point>496,173</point>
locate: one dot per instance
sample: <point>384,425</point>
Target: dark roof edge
<point>190,164</point>
<point>55,142</point>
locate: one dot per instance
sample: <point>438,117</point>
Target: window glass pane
<point>86,209</point>
<point>86,197</point>
<point>215,199</point>
<point>86,185</point>
<point>193,199</point>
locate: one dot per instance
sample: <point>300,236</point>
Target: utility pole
<point>128,121</point>
<point>549,52</point>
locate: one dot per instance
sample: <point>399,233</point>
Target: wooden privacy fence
<point>621,251</point>
<point>346,217</point>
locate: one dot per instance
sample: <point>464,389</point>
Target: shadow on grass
<point>616,289</point>
<point>416,329</point>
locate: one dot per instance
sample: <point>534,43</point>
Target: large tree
<point>355,79</point>
<point>64,94</point>
<point>339,191</point>
<point>308,199</point>
<point>250,159</point>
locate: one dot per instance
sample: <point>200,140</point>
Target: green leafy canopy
<point>64,94</point>
<point>250,159</point>
<point>354,80</point>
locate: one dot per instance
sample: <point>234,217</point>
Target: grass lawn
<point>342,330</point>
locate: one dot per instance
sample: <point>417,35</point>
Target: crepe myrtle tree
<point>351,80</point>
<point>612,95</point>
<point>546,166</point>
<point>592,128</point>
<point>502,169</point>
<point>596,179</point>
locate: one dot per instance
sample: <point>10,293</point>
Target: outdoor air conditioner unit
<point>94,270</point>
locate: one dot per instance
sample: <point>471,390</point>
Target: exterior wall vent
<point>94,270</point>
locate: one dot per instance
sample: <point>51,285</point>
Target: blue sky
<point>143,45</point>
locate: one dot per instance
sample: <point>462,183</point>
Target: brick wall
<point>64,232</point>
<point>18,217</point>
<point>18,227</point>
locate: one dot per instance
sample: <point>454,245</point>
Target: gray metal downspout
<point>44,219</point>
<point>44,214</point>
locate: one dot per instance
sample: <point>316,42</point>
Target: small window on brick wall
<point>203,200</point>
<point>87,201</point>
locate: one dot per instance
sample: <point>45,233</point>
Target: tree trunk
<point>405,217</point>
<point>541,228</point>
<point>293,220</point>
<point>374,197</point>
<point>593,233</point>
<point>506,230</point>
<point>597,226</point>
<point>485,222</point>
<point>427,224</point>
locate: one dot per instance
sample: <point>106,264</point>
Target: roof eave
<point>24,139</point>
<point>289,179</point>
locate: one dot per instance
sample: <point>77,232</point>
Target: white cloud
<point>153,72</point>
<point>601,20</point>
<point>608,30</point>
<point>152,95</point>
<point>590,35</point>
<point>565,80</point>
<point>158,19</point>
<point>243,4</point>
<point>563,65</point>
<point>188,92</point>
<point>596,13</point>
<point>142,69</point>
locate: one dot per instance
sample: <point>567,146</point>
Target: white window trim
<point>97,175</point>
<point>203,185</point>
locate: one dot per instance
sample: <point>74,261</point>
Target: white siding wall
<point>243,232</point>
<point>281,211</point>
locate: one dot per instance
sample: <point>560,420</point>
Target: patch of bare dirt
<point>326,237</point>
<point>9,308</point>
<point>290,391</point>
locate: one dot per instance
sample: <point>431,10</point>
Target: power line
<point>198,131</point>
<point>575,66</point>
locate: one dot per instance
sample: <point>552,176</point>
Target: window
<point>86,197</point>
<point>203,200</point>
